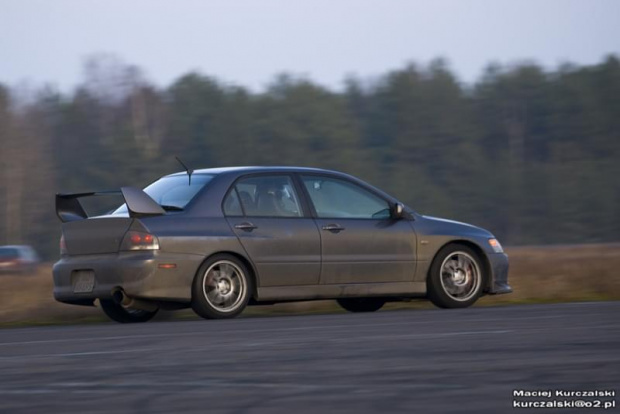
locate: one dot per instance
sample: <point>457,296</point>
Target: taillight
<point>63,245</point>
<point>137,240</point>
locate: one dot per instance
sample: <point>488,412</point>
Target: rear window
<point>8,253</point>
<point>173,191</point>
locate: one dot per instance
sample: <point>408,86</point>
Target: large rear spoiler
<point>139,204</point>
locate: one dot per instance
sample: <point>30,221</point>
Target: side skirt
<point>289,293</point>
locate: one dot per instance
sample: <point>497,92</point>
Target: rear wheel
<point>361,304</point>
<point>456,277</point>
<point>119,314</point>
<point>222,288</point>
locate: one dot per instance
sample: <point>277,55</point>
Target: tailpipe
<point>120,297</point>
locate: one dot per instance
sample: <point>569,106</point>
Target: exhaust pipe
<point>120,297</point>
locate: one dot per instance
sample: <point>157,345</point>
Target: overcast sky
<point>247,42</point>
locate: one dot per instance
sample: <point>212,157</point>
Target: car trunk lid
<point>96,235</point>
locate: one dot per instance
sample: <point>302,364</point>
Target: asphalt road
<point>418,361</point>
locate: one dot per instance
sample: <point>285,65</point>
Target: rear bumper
<point>137,273</point>
<point>499,271</point>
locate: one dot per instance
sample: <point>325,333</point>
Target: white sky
<point>247,42</point>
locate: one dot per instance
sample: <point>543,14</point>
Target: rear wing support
<point>139,204</point>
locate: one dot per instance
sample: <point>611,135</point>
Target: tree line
<point>531,154</point>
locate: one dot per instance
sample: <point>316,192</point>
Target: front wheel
<point>119,314</point>
<point>361,304</point>
<point>456,277</point>
<point>222,288</point>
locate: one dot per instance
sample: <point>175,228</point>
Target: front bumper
<point>137,273</point>
<point>498,263</point>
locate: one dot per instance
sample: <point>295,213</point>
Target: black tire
<point>119,314</point>
<point>206,291</point>
<point>361,304</point>
<point>440,292</point>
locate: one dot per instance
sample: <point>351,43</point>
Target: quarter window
<point>264,196</point>
<point>335,198</point>
<point>232,206</point>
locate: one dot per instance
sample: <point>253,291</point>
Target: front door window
<point>334,198</point>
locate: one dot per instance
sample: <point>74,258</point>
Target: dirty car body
<point>220,239</point>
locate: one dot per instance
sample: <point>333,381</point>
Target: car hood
<point>456,227</point>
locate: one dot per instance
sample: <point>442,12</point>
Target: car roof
<point>253,169</point>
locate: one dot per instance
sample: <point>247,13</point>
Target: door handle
<point>333,227</point>
<point>245,226</point>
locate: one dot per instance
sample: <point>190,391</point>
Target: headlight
<point>497,248</point>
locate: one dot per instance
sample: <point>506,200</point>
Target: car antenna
<point>189,172</point>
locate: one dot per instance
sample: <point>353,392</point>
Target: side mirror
<point>398,211</point>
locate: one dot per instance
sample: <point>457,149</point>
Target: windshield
<point>173,192</point>
<point>8,253</point>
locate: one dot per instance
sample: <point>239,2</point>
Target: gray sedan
<point>219,239</point>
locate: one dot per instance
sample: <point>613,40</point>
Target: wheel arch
<point>247,262</point>
<point>479,252</point>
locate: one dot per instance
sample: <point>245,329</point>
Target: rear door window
<point>264,196</point>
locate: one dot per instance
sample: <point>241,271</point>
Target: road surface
<point>416,361</point>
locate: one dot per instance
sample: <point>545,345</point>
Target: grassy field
<point>537,275</point>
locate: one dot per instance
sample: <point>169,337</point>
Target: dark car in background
<point>18,259</point>
<point>220,239</point>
